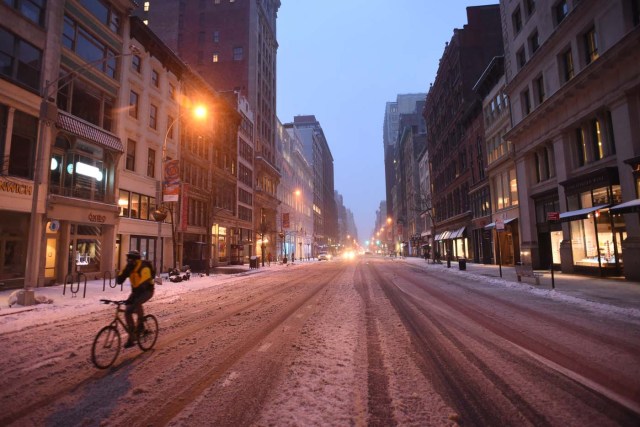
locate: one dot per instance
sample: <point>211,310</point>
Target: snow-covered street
<point>373,341</point>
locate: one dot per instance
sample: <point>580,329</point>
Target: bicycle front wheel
<point>106,347</point>
<point>149,335</point>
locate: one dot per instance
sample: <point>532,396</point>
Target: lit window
<point>146,6</point>
<point>591,45</point>
<point>215,58</point>
<point>567,65</point>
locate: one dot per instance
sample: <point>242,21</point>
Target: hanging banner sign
<point>171,183</point>
<point>285,220</point>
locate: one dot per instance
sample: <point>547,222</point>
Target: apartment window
<point>561,10</point>
<point>534,41</point>
<point>567,65</point>
<point>201,37</point>
<point>86,102</point>
<point>635,12</point>
<point>151,163</point>
<point>153,116</point>
<point>155,78</point>
<point>33,10</point>
<point>133,104</point>
<point>591,45</point>
<point>172,91</point>
<point>581,148</point>
<point>542,166</point>
<point>19,61</point>
<point>170,121</point>
<point>539,86</point>
<point>130,161</point>
<point>88,47</point>
<point>530,6</point>
<point>23,143</point>
<point>521,57</point>
<point>104,12</point>
<point>611,142</point>
<point>146,6</point>
<point>526,102</point>
<point>516,19</point>
<point>596,140</point>
<point>506,187</point>
<point>136,63</point>
<point>216,36</point>
<point>215,57</point>
<point>238,54</point>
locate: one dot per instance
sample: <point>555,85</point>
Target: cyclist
<point>140,275</point>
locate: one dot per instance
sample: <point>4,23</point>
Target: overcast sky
<point>342,60</point>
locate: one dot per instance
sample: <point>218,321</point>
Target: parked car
<point>324,256</point>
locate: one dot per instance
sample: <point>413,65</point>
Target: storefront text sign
<point>14,187</point>
<point>97,218</point>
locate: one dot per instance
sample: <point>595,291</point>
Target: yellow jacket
<point>137,273</point>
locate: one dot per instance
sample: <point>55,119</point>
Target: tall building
<point>573,80</point>
<point>316,150</point>
<point>233,45</point>
<point>404,104</point>
<point>453,113</point>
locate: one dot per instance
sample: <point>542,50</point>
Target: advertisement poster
<point>171,183</point>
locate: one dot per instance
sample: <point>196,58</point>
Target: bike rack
<point>70,282</point>
<point>104,281</point>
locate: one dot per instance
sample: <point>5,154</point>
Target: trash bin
<point>253,262</point>
<point>462,263</point>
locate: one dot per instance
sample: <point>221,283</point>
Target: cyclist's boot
<point>130,341</point>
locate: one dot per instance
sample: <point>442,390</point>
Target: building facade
<point>233,46</point>
<point>497,244</point>
<point>455,130</point>
<point>573,82</point>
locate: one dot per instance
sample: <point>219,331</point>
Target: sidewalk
<point>614,291</point>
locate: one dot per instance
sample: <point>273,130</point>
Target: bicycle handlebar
<point>108,301</point>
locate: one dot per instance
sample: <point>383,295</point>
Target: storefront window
<point>222,244</point>
<point>123,203</point>
<point>80,170</point>
<point>86,248</point>
<point>556,240</point>
<point>13,244</point>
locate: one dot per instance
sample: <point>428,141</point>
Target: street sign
<point>499,224</point>
<point>553,216</point>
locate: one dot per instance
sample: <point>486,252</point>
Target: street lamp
<point>160,214</point>
<point>48,116</point>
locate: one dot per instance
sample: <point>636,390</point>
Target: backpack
<point>147,263</point>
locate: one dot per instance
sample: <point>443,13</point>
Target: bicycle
<point>107,343</point>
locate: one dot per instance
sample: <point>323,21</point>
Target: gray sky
<point>342,60</point>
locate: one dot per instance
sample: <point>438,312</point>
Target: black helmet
<point>133,255</point>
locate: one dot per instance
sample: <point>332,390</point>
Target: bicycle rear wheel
<point>106,347</point>
<point>148,337</point>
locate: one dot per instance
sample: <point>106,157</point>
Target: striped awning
<point>88,131</point>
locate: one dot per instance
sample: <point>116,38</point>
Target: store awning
<point>457,234</point>
<point>88,131</point>
<point>580,213</point>
<point>627,207</point>
<point>442,236</point>
<point>493,224</point>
